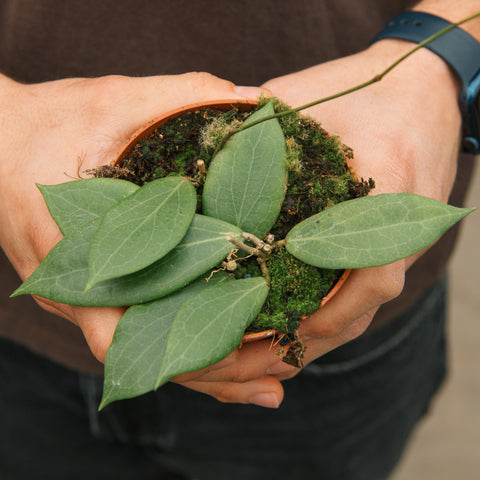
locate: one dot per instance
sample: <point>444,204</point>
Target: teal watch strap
<point>459,49</point>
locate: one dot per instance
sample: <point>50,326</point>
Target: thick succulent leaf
<point>135,356</point>
<point>63,274</point>
<point>141,229</point>
<point>72,204</point>
<point>371,231</point>
<point>210,325</point>
<point>246,181</point>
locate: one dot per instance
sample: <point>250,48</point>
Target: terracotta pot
<point>223,105</point>
<point>144,131</point>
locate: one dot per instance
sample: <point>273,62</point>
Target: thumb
<point>139,100</point>
<point>252,93</point>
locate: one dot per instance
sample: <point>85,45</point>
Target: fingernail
<point>280,367</point>
<point>249,92</point>
<point>267,400</point>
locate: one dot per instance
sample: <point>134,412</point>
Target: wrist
<point>458,49</point>
<point>453,11</point>
<point>422,69</point>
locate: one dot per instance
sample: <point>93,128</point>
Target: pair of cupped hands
<point>404,131</point>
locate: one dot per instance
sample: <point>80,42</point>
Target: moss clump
<point>296,290</point>
<point>319,176</point>
<point>247,268</point>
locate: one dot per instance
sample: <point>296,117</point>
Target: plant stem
<point>244,247</point>
<point>375,79</point>
<point>262,252</point>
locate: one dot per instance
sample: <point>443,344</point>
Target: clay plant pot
<point>222,105</point>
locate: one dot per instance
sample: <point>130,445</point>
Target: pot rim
<point>146,129</point>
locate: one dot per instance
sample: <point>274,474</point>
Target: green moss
<point>296,290</point>
<point>318,170</point>
<point>247,268</point>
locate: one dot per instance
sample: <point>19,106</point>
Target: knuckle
<point>291,374</point>
<point>42,237</point>
<point>324,328</point>
<point>98,338</point>
<point>358,327</point>
<point>242,375</point>
<point>223,393</point>
<point>202,81</point>
<point>328,328</point>
<point>386,283</point>
<point>107,90</point>
<point>98,348</point>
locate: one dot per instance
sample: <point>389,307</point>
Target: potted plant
<point>232,230</point>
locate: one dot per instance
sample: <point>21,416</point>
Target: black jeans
<point>346,416</point>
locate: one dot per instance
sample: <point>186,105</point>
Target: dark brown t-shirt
<point>247,42</point>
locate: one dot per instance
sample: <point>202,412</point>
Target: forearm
<point>454,11</point>
<point>7,87</point>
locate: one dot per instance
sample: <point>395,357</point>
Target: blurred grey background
<point>446,444</point>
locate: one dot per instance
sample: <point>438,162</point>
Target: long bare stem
<point>373,80</point>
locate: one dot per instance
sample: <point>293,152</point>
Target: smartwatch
<point>460,50</point>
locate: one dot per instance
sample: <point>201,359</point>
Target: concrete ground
<point>446,445</point>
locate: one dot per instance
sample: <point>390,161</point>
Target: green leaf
<point>136,354</point>
<point>246,181</point>
<point>141,229</point>
<point>371,231</point>
<point>72,204</point>
<point>210,325</point>
<point>203,247</point>
<point>186,331</point>
<point>63,274</point>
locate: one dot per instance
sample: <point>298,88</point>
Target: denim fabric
<point>347,416</point>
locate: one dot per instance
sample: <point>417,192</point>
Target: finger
<point>265,392</point>
<point>227,361</point>
<point>98,326</point>
<point>60,309</point>
<point>317,347</point>
<point>139,100</point>
<point>251,361</point>
<point>365,290</point>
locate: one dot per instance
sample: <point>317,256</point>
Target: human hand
<point>402,130</point>
<point>405,134</point>
<point>51,131</point>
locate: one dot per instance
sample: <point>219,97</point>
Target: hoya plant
<point>197,259</point>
